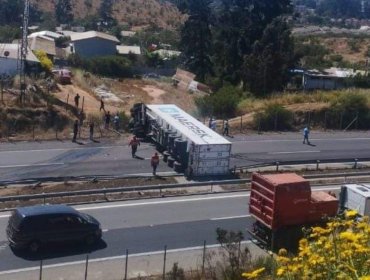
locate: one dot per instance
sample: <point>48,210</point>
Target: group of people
<point>154,161</point>
<point>212,124</point>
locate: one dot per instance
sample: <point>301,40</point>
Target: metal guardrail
<point>106,191</point>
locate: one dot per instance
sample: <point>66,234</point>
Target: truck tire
<point>170,161</point>
<point>165,156</point>
<point>177,166</point>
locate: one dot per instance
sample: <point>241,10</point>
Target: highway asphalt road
<point>145,226</point>
<point>23,160</point>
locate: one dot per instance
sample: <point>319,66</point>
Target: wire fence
<point>202,262</point>
<point>292,121</point>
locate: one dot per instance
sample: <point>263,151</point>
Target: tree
<point>196,39</point>
<point>239,25</point>
<point>266,68</point>
<point>63,11</point>
<point>105,13</point>
<point>45,61</point>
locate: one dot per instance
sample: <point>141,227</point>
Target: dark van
<point>32,227</point>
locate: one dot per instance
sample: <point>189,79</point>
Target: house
<point>126,50</point>
<point>92,44</point>
<point>9,59</point>
<point>332,78</point>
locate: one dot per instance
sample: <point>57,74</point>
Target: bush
<point>111,66</point>
<point>274,117</point>
<point>222,104</point>
<point>350,106</point>
<point>45,61</point>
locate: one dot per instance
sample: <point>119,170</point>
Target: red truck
<point>282,204</point>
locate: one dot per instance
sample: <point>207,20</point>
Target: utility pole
<point>22,52</point>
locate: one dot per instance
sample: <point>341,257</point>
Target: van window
<point>64,221</point>
<point>35,223</point>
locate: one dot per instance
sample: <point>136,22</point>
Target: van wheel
<point>89,240</point>
<point>34,246</point>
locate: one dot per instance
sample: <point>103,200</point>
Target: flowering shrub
<point>341,250</point>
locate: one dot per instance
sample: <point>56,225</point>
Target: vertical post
<point>33,130</point>
<point>239,252</point>
<point>277,166</point>
<point>40,275</point>
<point>317,164</point>
<point>341,121</point>
<point>164,262</point>
<point>83,103</point>
<point>355,165</point>
<point>276,121</point>
<point>325,119</point>
<point>241,123</point>
<point>86,266</point>
<point>204,257</point>
<point>67,101</point>
<point>126,265</point>
<point>259,125</point>
<point>357,120</point>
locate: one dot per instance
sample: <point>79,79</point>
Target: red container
<point>281,200</point>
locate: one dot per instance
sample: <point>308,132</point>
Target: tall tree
<point>105,12</point>
<point>266,68</point>
<point>240,24</point>
<point>196,38</point>
<point>64,11</point>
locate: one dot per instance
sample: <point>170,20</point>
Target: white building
<point>9,59</point>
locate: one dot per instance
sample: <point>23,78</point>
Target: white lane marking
<point>105,230</point>
<point>229,218</point>
<point>161,202</point>
<point>300,140</point>
<point>68,149</point>
<point>293,152</point>
<point>32,164</point>
<point>145,254</point>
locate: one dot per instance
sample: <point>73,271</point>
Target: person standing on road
<point>134,143</point>
<point>91,128</point>
<point>75,130</point>
<point>77,100</point>
<point>107,120</point>
<point>306,132</point>
<point>154,162</point>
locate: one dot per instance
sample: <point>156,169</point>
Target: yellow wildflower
<point>253,274</point>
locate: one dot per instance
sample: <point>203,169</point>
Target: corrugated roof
<point>46,33</point>
<point>129,49</point>
<point>78,36</point>
<point>13,52</point>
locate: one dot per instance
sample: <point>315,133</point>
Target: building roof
<point>167,53</point>
<point>125,33</point>
<point>129,49</point>
<point>334,72</point>
<point>12,50</point>
<point>45,33</point>
<point>42,43</point>
<point>78,36</point>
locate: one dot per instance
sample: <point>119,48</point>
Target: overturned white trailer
<point>192,146</point>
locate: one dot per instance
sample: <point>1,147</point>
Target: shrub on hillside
<point>45,61</point>
<point>108,66</point>
<point>350,106</point>
<point>274,117</point>
<point>221,104</point>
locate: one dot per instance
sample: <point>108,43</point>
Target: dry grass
<point>136,13</point>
